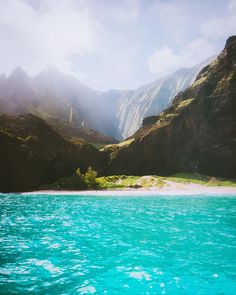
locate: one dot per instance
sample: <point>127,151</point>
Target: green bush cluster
<point>109,182</point>
<point>125,181</point>
<point>88,178</point>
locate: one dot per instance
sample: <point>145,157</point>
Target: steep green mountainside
<point>32,154</point>
<point>197,133</point>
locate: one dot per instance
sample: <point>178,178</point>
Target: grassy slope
<point>123,181</point>
<point>201,179</point>
<point>114,182</point>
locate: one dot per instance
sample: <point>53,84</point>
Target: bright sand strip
<point>173,188</point>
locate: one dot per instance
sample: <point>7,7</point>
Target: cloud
<point>221,27</point>
<point>122,11</point>
<point>70,34</point>
<point>38,37</point>
<point>212,36</point>
<point>118,44</point>
<point>175,18</point>
<point>164,61</point>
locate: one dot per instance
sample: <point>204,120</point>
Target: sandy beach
<point>172,188</point>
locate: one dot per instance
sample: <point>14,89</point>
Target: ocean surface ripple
<point>117,245</point>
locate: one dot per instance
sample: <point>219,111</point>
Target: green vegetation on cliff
<point>153,181</point>
<point>201,179</point>
<point>89,180</point>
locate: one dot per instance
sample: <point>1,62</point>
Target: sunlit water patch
<point>117,245</point>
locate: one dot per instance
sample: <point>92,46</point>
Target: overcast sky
<point>112,43</point>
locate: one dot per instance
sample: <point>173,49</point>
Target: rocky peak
<point>230,41</point>
<point>18,75</point>
<point>230,51</point>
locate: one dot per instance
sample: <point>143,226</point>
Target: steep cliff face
<point>130,107</point>
<point>196,134</point>
<point>32,154</point>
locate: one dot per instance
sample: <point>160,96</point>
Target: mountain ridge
<point>197,133</point>
<point>119,113</point>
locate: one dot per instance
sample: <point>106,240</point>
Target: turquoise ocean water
<point>117,245</point>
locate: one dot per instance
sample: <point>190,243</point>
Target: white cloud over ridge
<point>164,61</point>
<point>109,43</point>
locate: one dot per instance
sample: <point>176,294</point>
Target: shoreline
<point>174,189</point>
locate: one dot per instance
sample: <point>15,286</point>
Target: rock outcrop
<point>197,133</point>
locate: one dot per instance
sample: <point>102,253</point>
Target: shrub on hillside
<point>90,178</point>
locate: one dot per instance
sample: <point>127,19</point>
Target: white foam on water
<point>140,275</point>
<point>87,290</point>
<point>46,264</point>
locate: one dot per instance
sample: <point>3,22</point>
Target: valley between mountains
<point>51,125</point>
